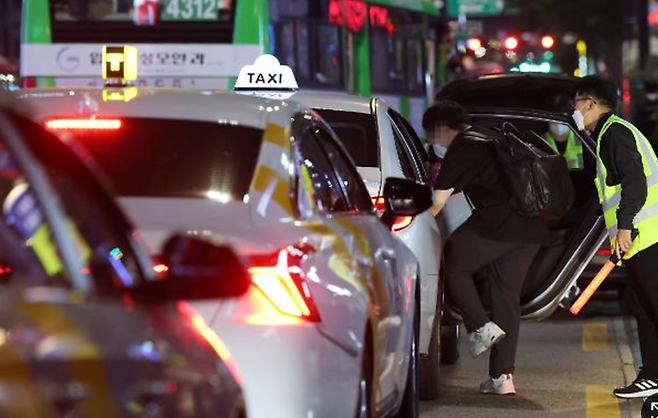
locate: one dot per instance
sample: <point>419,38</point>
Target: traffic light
<point>511,43</point>
<point>547,42</point>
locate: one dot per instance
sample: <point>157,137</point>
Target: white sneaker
<point>502,385</point>
<point>484,338</point>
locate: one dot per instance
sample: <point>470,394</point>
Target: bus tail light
<point>401,222</point>
<point>280,278</point>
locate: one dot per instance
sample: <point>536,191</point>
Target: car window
<point>346,172</point>
<point>29,255</point>
<point>106,249</point>
<point>404,155</point>
<point>318,189</point>
<point>358,134</point>
<point>415,144</point>
<point>159,158</point>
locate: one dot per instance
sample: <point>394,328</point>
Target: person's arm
<point>624,163</point>
<point>440,199</point>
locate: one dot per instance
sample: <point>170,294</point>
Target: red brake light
<point>280,278</point>
<point>160,268</point>
<point>105,124</point>
<point>604,251</point>
<point>401,222</point>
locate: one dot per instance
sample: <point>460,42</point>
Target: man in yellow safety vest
<point>563,140</point>
<point>627,183</point>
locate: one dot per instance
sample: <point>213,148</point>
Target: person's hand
<point>624,242</point>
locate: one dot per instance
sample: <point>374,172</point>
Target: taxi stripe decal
<point>277,135</point>
<point>265,178</point>
<point>21,395</point>
<point>364,247</point>
<point>86,365</point>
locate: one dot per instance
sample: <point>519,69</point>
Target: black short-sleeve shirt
<point>470,166</point>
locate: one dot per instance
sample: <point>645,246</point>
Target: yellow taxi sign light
<point>120,95</point>
<point>266,74</point>
<point>119,63</point>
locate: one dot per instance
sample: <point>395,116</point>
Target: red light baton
<point>597,280</point>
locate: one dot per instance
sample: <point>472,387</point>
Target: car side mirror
<point>404,197</point>
<point>198,269</point>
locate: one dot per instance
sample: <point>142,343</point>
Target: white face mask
<point>558,129</point>
<point>579,118</point>
<point>652,96</point>
<point>439,150</point>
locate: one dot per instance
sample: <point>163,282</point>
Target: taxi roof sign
<point>266,74</point>
<point>119,63</point>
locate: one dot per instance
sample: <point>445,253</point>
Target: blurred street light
<point>547,42</point>
<point>511,43</point>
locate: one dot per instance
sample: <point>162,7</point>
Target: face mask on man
<point>439,150</point>
<point>579,118</point>
<point>558,129</point>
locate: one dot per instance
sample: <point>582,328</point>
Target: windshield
<point>357,132</point>
<point>176,158</point>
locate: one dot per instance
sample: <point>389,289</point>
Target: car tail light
<point>280,278</point>
<point>84,124</point>
<point>401,222</point>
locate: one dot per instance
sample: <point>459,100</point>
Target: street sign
<point>468,29</point>
<point>475,7</point>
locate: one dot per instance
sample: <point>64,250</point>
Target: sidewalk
<point>566,367</point>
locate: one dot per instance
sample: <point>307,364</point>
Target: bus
<point>388,48</point>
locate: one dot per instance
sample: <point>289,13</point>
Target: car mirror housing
<point>404,197</point>
<point>197,269</point>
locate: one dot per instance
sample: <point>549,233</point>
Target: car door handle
<point>385,254</point>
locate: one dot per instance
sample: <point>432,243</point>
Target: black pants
<point>642,271</point>
<point>468,252</point>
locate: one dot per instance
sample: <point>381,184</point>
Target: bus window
<point>328,67</point>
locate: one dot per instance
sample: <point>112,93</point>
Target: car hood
<point>510,91</point>
<point>62,353</point>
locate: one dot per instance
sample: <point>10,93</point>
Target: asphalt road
<point>566,367</point>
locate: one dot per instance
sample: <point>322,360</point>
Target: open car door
<point>577,236</point>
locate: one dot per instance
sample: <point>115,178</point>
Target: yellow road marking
<point>601,403</point>
<point>595,336</point>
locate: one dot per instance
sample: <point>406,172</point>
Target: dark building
<point>10,24</point>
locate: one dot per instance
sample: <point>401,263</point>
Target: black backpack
<point>537,179</point>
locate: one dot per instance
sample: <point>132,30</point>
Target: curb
<point>628,408</point>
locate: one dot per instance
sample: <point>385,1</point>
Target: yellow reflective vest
<point>573,153</point>
<point>646,220</point>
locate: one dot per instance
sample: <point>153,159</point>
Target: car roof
<point>334,101</point>
<point>160,103</point>
<point>539,92</point>
<point>9,102</point>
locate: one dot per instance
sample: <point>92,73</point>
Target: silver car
<point>330,327</point>
<point>383,145</point>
